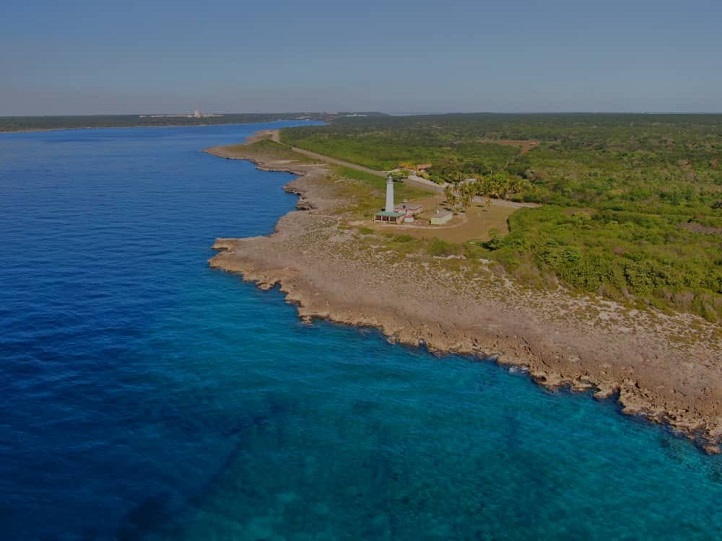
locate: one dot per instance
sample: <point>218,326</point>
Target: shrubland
<point>631,204</point>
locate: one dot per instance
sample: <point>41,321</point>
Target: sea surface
<point>144,396</point>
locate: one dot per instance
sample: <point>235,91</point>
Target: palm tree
<point>486,188</point>
<point>451,196</point>
<point>467,190</point>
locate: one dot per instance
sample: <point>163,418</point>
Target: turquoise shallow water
<point>145,396</point>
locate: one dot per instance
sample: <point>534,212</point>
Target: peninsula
<point>333,263</point>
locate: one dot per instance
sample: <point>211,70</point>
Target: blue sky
<point>130,56</point>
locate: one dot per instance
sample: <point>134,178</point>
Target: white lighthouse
<point>389,194</point>
<point>389,214</point>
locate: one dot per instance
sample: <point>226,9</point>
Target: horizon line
<point>415,113</point>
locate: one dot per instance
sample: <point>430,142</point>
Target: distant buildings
<point>196,114</point>
<point>200,114</point>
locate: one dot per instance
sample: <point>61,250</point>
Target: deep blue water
<point>145,396</point>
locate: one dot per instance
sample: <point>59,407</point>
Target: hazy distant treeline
<point>22,123</point>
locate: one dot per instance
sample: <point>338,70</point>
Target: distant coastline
<point>643,359</point>
<point>47,123</point>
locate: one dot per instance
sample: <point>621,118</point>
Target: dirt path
<point>276,137</point>
<point>412,180</point>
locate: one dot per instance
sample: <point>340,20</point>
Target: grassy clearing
<point>401,190</point>
<point>265,149</point>
<point>366,192</point>
<point>383,150</point>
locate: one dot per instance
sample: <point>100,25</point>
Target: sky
<point>395,56</point>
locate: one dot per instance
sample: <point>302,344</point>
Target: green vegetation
<point>652,256</point>
<point>440,248</point>
<point>632,204</point>
<point>367,178</point>
<point>372,144</point>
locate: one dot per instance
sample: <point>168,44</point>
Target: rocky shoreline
<point>666,368</point>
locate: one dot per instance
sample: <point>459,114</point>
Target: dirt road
<point>275,136</point>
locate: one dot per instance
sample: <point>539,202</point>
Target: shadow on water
<point>163,514</point>
<point>146,518</point>
<point>386,482</point>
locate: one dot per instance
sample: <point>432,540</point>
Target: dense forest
<point>631,204</point>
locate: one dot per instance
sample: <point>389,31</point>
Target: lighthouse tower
<point>389,194</point>
<point>389,215</point>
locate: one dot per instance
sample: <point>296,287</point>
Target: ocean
<point>144,396</point>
